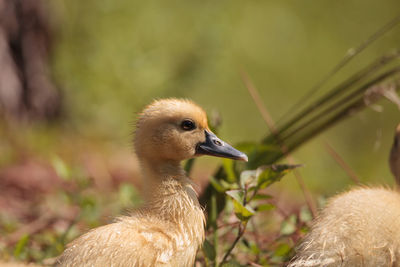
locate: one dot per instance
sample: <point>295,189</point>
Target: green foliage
<point>242,210</point>
<point>271,174</point>
<point>61,168</point>
<point>20,247</point>
<point>245,198</point>
<point>250,183</point>
<point>127,195</point>
<point>288,226</point>
<point>69,212</point>
<point>209,250</point>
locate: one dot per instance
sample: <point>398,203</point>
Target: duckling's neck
<point>155,173</point>
<point>167,186</point>
<point>170,197</point>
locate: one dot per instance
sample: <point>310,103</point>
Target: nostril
<point>217,142</point>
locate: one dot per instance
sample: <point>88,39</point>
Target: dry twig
<point>339,160</point>
<point>271,125</point>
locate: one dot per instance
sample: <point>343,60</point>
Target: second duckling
<point>357,228</point>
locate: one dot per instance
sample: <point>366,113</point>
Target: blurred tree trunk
<point>26,88</point>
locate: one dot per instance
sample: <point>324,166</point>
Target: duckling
<point>169,228</point>
<point>357,228</point>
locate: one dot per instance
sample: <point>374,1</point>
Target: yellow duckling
<point>169,229</point>
<point>357,228</point>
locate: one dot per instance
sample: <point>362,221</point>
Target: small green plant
<point>244,197</point>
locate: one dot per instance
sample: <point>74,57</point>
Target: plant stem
<point>214,215</point>
<point>241,231</point>
<point>353,176</point>
<point>347,58</point>
<point>285,151</point>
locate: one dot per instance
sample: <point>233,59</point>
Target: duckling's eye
<point>188,125</point>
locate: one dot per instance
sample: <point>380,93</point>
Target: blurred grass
<point>113,57</point>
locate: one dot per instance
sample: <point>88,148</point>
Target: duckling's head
<point>174,130</point>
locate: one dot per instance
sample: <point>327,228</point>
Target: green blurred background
<point>110,58</point>
<point>114,56</point>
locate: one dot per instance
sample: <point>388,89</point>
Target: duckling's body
<point>169,229</point>
<point>167,232</point>
<point>357,228</point>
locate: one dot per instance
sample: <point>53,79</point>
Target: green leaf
<point>305,215</point>
<point>265,207</point>
<point>20,246</point>
<point>217,185</point>
<point>272,173</point>
<point>254,248</point>
<point>213,215</point>
<point>61,168</point>
<point>228,186</point>
<point>288,226</point>
<point>322,200</point>
<point>261,154</point>
<point>229,168</point>
<point>282,250</point>
<point>237,194</point>
<point>209,250</point>
<point>247,177</point>
<point>127,194</point>
<point>243,212</point>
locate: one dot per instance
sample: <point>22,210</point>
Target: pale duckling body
<point>169,229</point>
<point>357,228</point>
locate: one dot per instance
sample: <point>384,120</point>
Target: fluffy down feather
<point>357,228</point>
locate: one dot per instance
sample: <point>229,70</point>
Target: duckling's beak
<point>216,147</point>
